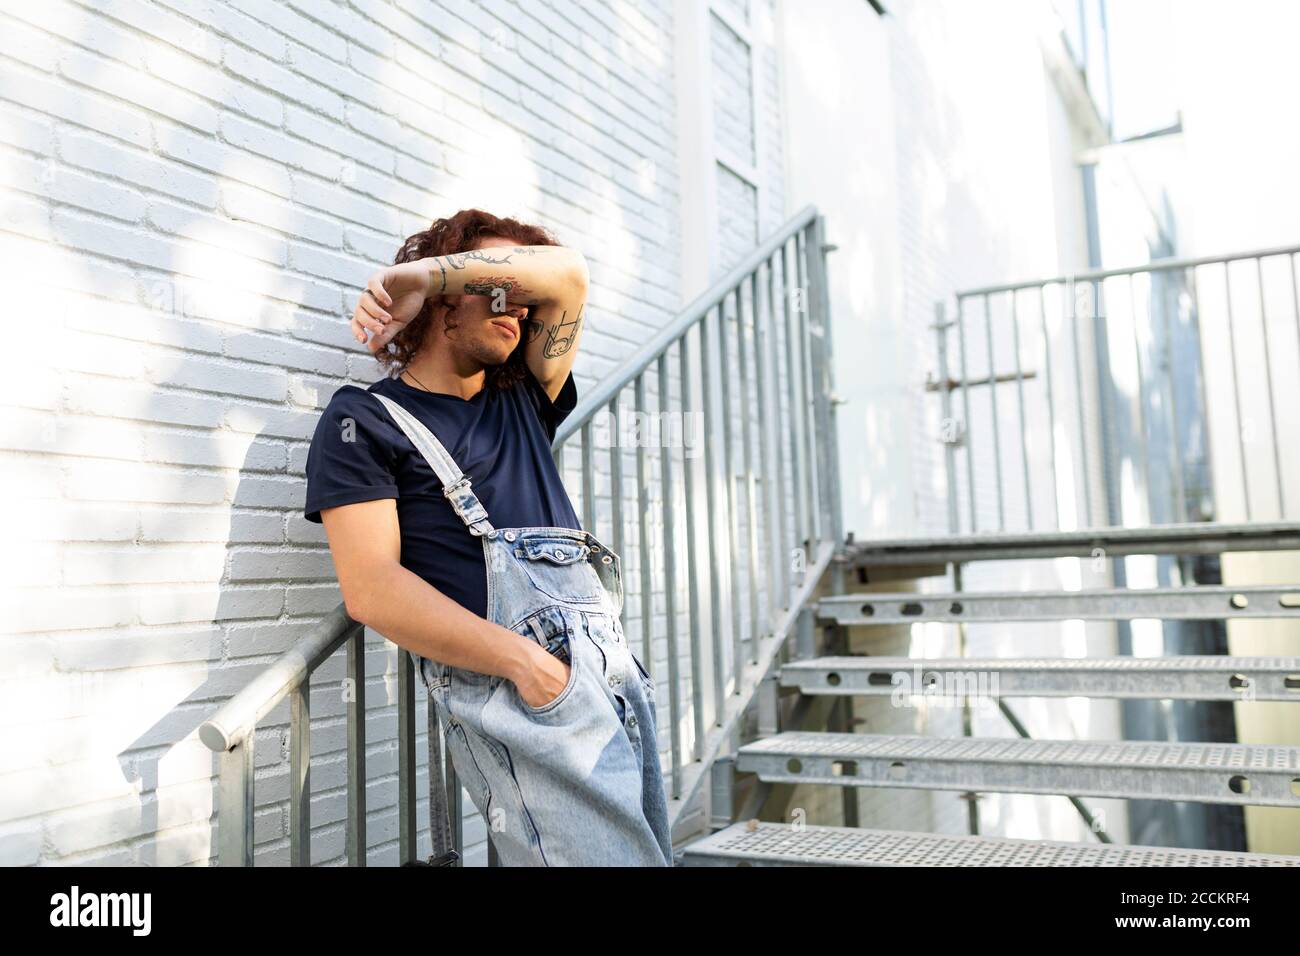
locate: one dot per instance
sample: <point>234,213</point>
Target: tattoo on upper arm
<point>561,336</point>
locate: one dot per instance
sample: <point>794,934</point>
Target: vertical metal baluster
<point>1107,408</point>
<point>747,444</point>
<point>1236,391</point>
<point>588,481</point>
<point>1144,440</point>
<point>1175,445</point>
<point>1295,299</point>
<point>794,387</point>
<point>1295,296</point>
<point>692,570</point>
<point>235,806</point>
<point>1051,405</point>
<point>1268,381</point>
<point>733,536</point>
<point>945,397</point>
<point>969,434</point>
<point>408,835</point>
<point>643,526</point>
<point>993,397</point>
<point>1073,315</point>
<point>819,296</point>
<point>810,433</point>
<point>1202,398</point>
<point>557,455</point>
<point>771,476</point>
<point>711,465</point>
<point>781,494</point>
<point>616,493</point>
<point>356,831</point>
<point>1020,401</point>
<point>670,576</point>
<point>300,776</point>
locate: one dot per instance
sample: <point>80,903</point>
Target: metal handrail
<point>229,733</point>
<point>692,315</point>
<point>783,429</point>
<point>1155,265</point>
<point>238,717</point>
<point>1162,327</point>
<point>757,521</point>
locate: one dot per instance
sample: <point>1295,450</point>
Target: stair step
<point>780,844</point>
<point>1245,774</point>
<point>1181,678</point>
<point>1198,603</point>
<point>1185,538</point>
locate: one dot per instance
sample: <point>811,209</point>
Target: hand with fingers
<point>393,296</point>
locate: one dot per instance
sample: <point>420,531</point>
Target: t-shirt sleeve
<point>352,456</point>
<point>551,413</point>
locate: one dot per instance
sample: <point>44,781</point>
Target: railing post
<point>670,570</point>
<point>356,737</point>
<point>794,385</point>
<point>235,811</point>
<point>408,828</point>
<point>949,434</point>
<point>300,775</point>
<point>824,390</point>
<point>692,571</point>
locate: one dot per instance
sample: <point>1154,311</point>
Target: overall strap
<point>455,484</point>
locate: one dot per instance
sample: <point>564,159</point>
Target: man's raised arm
<point>551,280</point>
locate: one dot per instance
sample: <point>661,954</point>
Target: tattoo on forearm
<point>457,261</point>
<point>500,287</point>
<point>561,336</point>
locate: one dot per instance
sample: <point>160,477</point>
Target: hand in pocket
<point>546,680</point>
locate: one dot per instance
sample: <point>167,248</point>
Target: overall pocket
<point>551,629</point>
<point>560,569</point>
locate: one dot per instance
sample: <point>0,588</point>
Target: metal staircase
<point>1215,773</point>
<point>737,576</point>
<point>786,753</point>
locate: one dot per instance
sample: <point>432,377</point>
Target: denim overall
<point>575,781</point>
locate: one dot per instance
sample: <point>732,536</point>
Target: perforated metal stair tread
<point>1183,538</point>
<point>779,844</point>
<point>1192,603</point>
<point>1185,678</point>
<point>1204,772</point>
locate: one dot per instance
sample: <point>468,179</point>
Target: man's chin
<point>492,360</point>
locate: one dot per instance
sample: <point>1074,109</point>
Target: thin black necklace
<point>421,384</point>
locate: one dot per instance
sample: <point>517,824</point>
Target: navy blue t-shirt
<point>501,438</point>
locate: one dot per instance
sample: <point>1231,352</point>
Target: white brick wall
<point>190,194</point>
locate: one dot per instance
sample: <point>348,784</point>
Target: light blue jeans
<point>576,781</point>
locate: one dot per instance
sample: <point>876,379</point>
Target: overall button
<point>631,721</point>
<point>561,553</point>
<point>607,559</point>
<point>510,536</point>
<point>614,680</point>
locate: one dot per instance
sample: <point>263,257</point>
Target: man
<point>453,536</point>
